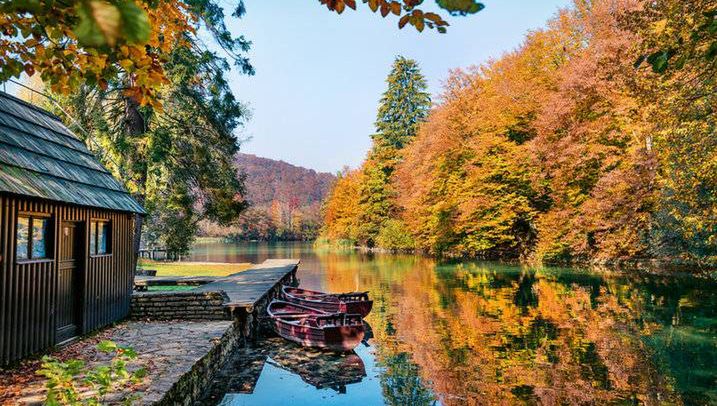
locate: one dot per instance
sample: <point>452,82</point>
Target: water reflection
<point>485,333</point>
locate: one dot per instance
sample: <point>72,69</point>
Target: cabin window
<point>32,238</point>
<point>100,238</point>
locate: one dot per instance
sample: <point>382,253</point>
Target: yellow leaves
<point>126,64</point>
<point>659,26</point>
<point>107,18</point>
<point>49,43</point>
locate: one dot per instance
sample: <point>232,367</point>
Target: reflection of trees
<point>489,334</point>
<point>382,274</point>
<point>401,382</point>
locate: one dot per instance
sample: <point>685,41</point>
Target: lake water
<point>486,333</point>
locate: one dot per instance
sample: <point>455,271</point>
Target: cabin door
<point>69,287</point>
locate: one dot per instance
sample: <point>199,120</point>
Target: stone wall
<point>189,388</point>
<point>169,305</point>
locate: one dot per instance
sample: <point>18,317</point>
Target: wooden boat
<point>315,328</point>
<point>351,303</point>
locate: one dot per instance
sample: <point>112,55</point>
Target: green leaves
<point>135,23</point>
<point>64,379</point>
<point>659,60</point>
<point>107,346</point>
<point>104,23</point>
<point>461,7</point>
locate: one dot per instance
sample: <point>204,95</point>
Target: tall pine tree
<point>404,105</point>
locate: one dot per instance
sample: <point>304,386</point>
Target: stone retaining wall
<point>246,327</point>
<point>189,388</point>
<point>178,306</point>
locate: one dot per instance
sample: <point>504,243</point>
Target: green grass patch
<point>169,288</point>
<point>193,268</point>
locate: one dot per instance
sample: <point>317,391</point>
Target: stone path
<point>167,349</point>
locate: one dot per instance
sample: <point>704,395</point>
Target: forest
<point>594,141</point>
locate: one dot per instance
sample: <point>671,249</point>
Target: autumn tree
<point>679,42</point>
<point>402,108</point>
<point>175,158</point>
<point>341,208</point>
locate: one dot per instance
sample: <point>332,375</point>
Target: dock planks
<point>248,287</point>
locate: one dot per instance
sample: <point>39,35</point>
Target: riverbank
<point>169,351</point>
<point>704,268</point>
<point>181,340</point>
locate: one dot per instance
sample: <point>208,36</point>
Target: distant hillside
<point>285,201</point>
<point>268,180</point>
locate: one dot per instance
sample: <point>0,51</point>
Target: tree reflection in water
<point>475,333</point>
<point>486,333</point>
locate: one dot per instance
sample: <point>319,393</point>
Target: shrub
<point>394,236</point>
<point>66,379</point>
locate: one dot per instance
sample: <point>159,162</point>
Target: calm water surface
<point>485,333</point>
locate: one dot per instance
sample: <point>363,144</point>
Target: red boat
<point>315,328</point>
<point>351,303</point>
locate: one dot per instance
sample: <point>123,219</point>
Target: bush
<point>394,236</point>
<point>65,379</point>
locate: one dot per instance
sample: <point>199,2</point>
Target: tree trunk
<point>135,126</point>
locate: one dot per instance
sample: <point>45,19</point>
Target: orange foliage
<point>341,209</point>
<point>47,45</point>
<point>549,152</point>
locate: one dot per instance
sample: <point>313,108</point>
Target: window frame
<point>94,234</point>
<point>49,238</point>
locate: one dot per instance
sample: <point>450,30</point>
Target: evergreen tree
<point>404,105</point>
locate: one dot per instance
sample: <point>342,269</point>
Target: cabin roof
<point>41,157</point>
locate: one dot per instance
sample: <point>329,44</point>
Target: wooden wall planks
<point>28,291</point>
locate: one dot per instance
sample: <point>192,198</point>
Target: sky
<point>319,75</point>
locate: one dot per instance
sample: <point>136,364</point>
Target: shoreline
<point>651,265</point>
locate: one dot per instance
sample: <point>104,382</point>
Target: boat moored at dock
<point>315,328</point>
<point>350,303</point>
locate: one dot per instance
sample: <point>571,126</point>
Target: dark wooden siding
<point>28,291</point>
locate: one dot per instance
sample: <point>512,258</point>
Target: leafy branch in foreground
<point>65,380</point>
<point>409,12</point>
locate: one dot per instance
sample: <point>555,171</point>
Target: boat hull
<point>314,328</point>
<point>330,338</point>
<point>330,303</point>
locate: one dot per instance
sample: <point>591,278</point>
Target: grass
<point>169,288</point>
<point>193,268</point>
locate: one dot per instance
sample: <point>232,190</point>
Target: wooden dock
<point>249,288</point>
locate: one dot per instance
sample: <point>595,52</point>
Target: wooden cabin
<point>66,227</point>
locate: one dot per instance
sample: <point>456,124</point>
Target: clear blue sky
<point>319,75</point>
